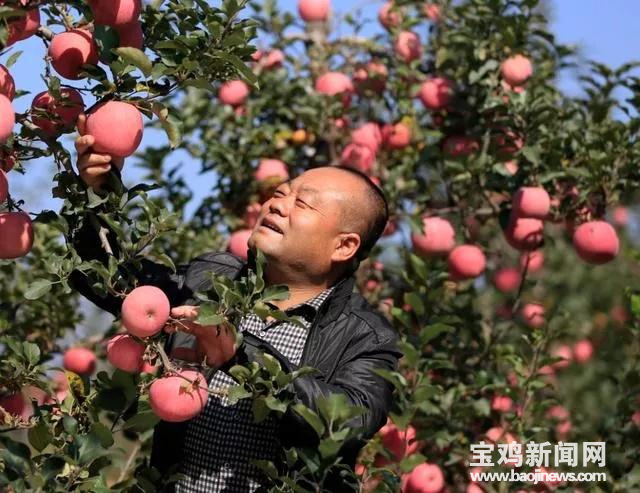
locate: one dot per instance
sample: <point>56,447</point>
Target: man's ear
<point>347,245</point>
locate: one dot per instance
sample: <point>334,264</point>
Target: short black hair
<point>379,215</point>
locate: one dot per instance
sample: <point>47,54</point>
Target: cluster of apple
<point>116,125</point>
<point>177,395</point>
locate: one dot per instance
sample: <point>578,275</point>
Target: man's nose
<point>279,205</point>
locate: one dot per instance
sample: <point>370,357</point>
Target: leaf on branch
<point>310,417</point>
<point>40,436</point>
<point>236,393</point>
<point>141,422</point>
<point>208,315</point>
<point>13,59</point>
<point>135,57</point>
<point>38,289</point>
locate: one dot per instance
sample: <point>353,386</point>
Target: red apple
<point>531,202</point>
<point>516,70</point>
<point>314,10</point>
<point>238,243</point>
<point>533,261</point>
<point>371,77</point>
<point>583,350</point>
<point>524,233</point>
<point>145,311</point>
<point>79,360</point>
<point>389,16</point>
<point>57,116</point>
<point>507,279</point>
<point>596,242</point>
<point>358,156</point>
<point>7,85</point>
<point>436,93</point>
<point>533,315</point>
<point>466,262</point>
<point>425,478</point>
<point>397,136</point>
<point>125,353</point>
<point>70,50</point>
<point>459,146</point>
<point>439,237</point>
<point>407,46</point>
<point>368,135</point>
<point>16,234</point>
<point>117,128</point>
<point>233,92</point>
<point>7,118</point>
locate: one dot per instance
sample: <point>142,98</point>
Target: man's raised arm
<point>94,169</point>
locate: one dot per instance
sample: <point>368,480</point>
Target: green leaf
<point>207,315</point>
<point>310,417</point>
<point>275,404</point>
<point>240,373</point>
<point>135,57</point>
<point>164,259</point>
<point>141,422</point>
<point>276,292</point>
<point>13,59</point>
<point>236,393</point>
<point>434,330</point>
<point>103,433</point>
<point>635,305</point>
<point>260,409</point>
<point>328,448</point>
<point>415,301</point>
<point>334,407</point>
<point>70,425</point>
<point>31,352</point>
<point>90,448</point>
<point>39,436</point>
<point>271,364</point>
<point>94,199</point>
<point>171,128</point>
<point>38,289</point>
<point>242,68</point>
<point>532,154</point>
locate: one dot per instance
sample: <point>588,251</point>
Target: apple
<point>436,93</point>
<point>466,262</point>
<point>314,10</point>
<point>596,242</point>
<point>516,70</point>
<point>16,234</point>
<point>70,50</point>
<point>79,360</point>
<point>145,311</point>
<point>438,237</point>
<point>117,128</point>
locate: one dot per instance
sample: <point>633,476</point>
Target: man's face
<point>307,211</point>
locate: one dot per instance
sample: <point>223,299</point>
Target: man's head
<point>329,217</point>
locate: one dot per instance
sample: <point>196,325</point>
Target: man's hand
<point>217,343</point>
<point>93,167</point>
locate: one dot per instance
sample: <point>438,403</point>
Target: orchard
<point>508,266</point>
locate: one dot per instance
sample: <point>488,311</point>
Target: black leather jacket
<point>347,340</point>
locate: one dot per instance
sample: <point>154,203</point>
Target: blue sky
<point>606,31</point>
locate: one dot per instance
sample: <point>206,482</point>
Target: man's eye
<point>300,202</point>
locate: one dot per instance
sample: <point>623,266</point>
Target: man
<point>314,231</point>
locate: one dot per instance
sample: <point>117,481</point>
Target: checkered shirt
<point>222,440</point>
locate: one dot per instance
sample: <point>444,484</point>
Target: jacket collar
<point>332,307</point>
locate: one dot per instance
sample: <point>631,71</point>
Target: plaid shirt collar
<point>308,309</point>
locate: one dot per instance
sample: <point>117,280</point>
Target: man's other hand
<point>216,342</point>
<point>93,167</point>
